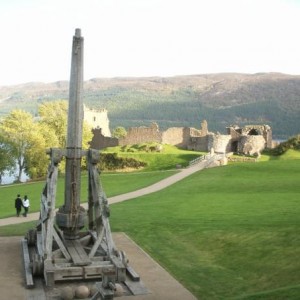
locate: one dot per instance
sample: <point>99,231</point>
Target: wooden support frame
<point>56,248</point>
<point>90,254</point>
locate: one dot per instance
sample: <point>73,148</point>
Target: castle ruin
<point>249,140</point>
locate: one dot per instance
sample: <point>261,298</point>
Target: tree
<point>26,140</point>
<point>7,156</point>
<point>53,116</point>
<point>53,119</point>
<point>19,129</point>
<point>37,161</point>
<point>119,132</point>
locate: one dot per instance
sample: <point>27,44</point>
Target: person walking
<point>26,205</point>
<point>18,205</point>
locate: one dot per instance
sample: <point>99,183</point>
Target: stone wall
<point>198,143</point>
<point>220,143</point>
<point>250,140</point>
<point>204,128</point>
<point>99,141</point>
<point>251,144</point>
<point>234,133</point>
<point>177,136</point>
<point>138,135</point>
<point>263,130</point>
<point>238,135</point>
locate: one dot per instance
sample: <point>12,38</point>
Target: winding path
<point>141,192</point>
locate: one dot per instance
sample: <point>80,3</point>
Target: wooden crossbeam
<point>61,245</point>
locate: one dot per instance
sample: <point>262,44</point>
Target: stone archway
<point>234,146</point>
<point>254,131</point>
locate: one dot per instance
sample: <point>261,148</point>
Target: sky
<point>140,38</point>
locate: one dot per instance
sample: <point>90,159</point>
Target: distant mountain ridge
<point>222,99</point>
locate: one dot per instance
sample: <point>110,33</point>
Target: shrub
<point>292,143</point>
<point>111,161</point>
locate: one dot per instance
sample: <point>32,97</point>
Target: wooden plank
<point>39,244</point>
<point>48,272</point>
<point>77,253</point>
<point>26,260</point>
<point>51,194</point>
<point>136,287</point>
<point>38,293</point>
<point>132,274</point>
<point>96,244</point>
<point>61,245</point>
<point>63,271</point>
<point>120,268</point>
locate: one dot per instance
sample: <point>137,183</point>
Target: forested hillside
<point>221,99</point>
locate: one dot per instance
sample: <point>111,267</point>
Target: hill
<point>221,99</point>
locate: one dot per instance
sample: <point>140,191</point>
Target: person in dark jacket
<point>18,205</point>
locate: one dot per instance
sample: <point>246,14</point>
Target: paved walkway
<point>147,190</point>
<point>159,283</point>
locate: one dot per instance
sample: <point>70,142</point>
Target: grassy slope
<point>165,160</point>
<point>225,232</point>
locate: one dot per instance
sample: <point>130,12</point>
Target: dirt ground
<point>159,283</point>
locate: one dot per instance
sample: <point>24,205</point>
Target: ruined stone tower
<point>97,119</point>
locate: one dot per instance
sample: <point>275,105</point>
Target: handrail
<point>199,159</point>
<point>208,157</point>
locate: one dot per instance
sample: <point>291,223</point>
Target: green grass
<point>288,292</point>
<point>17,229</point>
<point>157,161</point>
<point>225,233</point>
<point>290,154</point>
<point>168,159</point>
<point>113,184</point>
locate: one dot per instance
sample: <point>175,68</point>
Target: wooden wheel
<point>31,237</point>
<point>37,265</point>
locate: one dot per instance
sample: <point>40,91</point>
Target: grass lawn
<point>165,160</point>
<point>225,233</point>
<point>113,184</point>
<point>159,166</point>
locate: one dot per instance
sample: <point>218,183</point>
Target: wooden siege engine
<point>58,249</point>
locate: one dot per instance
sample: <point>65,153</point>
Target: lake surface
<point>7,179</point>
